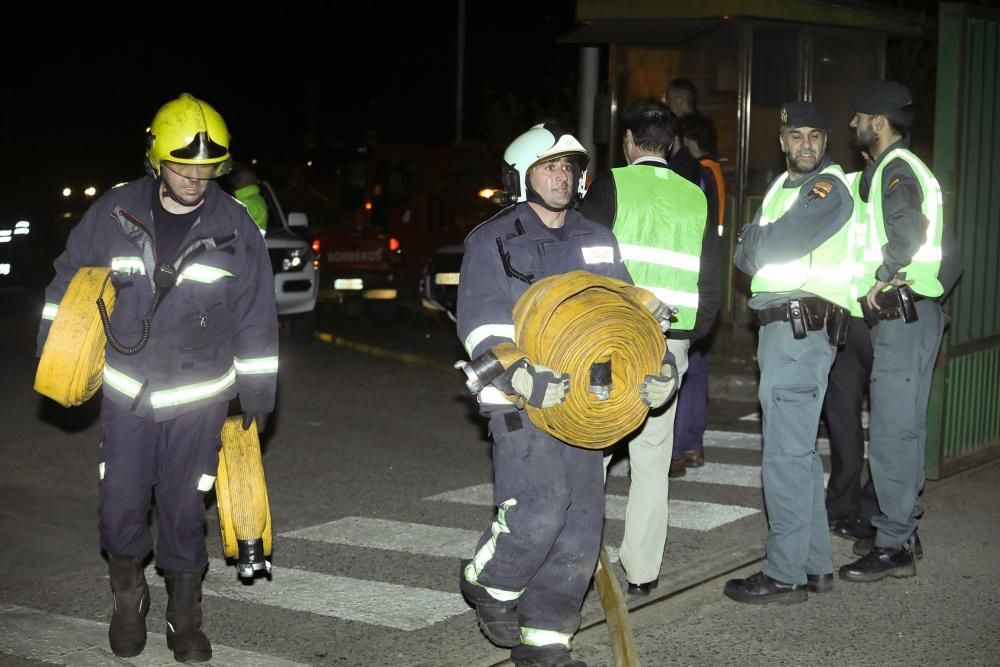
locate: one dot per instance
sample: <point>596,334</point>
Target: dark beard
<point>864,141</point>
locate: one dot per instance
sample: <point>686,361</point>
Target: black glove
<point>261,418</point>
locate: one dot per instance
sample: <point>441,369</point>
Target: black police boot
<point>184,635</point>
<point>862,547</point>
<point>497,620</point>
<point>762,589</point>
<point>127,634</point>
<point>881,562</point>
<point>560,658</point>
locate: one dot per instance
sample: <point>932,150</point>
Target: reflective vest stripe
<point>483,556</point>
<point>193,392</point>
<point>481,333</point>
<point>538,637</point>
<point>256,365</point>
<point>493,396</point>
<point>661,257</point>
<point>205,483</point>
<point>121,382</point>
<point>202,273</point>
<point>673,297</point>
<point>50,311</point>
<point>128,265</point>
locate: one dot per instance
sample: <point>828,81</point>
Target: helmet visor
<point>203,151</point>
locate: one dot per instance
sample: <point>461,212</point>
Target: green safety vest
<point>829,270</point>
<point>923,270</point>
<point>660,224</point>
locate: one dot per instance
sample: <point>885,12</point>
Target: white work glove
<point>540,386</point>
<point>656,390</point>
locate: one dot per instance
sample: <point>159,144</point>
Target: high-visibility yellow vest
<point>827,271</point>
<point>923,270</point>
<point>660,239</point>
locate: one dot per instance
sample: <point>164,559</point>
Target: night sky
<point>77,93</point>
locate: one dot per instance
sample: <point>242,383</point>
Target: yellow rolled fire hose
<point>241,493</point>
<point>71,368</point>
<point>71,371</point>
<point>573,321</point>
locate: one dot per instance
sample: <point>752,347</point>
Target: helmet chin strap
<point>173,195</point>
<point>536,198</point>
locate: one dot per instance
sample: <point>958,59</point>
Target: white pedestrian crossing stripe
<point>374,602</point>
<point>393,536</point>
<point>62,640</point>
<point>683,513</point>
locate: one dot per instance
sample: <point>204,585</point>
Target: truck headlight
<point>296,259</point>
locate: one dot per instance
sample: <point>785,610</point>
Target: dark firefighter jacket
<point>214,332</point>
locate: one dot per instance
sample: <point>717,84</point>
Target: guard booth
<point>745,59</point>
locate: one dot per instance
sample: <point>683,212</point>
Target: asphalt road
<point>379,481</point>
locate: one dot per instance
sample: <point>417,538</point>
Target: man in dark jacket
<point>194,325</point>
<point>532,566</point>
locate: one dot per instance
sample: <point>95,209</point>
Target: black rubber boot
<point>184,635</point>
<point>127,633</point>
<point>497,620</point>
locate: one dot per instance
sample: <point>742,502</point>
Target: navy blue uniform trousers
<point>176,462</point>
<point>552,498</point>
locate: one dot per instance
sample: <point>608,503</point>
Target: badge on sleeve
<point>600,254</point>
<point>820,189</point>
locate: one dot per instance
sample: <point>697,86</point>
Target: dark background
<point>318,79</point>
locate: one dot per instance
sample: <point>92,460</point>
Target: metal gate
<point>963,425</point>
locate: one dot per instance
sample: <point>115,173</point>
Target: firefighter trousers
<point>175,462</point>
<point>546,536</point>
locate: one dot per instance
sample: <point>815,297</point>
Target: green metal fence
<point>964,417</point>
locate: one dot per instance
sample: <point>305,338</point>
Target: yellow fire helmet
<point>188,131</point>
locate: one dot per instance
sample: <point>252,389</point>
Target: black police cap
<point>877,97</point>
<point>802,114</point>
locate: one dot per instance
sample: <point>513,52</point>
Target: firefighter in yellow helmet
<point>194,326</point>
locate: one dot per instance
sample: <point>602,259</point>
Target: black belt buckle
<point>797,318</point>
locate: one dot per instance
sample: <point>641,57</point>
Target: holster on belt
<point>810,314</point>
<point>898,302</point>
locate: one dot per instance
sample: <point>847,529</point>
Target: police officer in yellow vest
<point>899,202</point>
<point>799,250</point>
<point>662,224</point>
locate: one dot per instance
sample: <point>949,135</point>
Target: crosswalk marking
<point>62,640</point>
<point>374,602</point>
<point>683,513</point>
<point>393,536</point>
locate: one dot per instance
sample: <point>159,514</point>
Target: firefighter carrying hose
<point>532,566</point>
<point>194,325</point>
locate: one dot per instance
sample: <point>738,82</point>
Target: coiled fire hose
<point>71,368</point>
<point>599,330</point>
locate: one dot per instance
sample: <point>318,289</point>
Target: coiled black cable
<point>106,322</point>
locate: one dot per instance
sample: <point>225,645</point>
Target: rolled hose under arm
<point>71,368</point>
